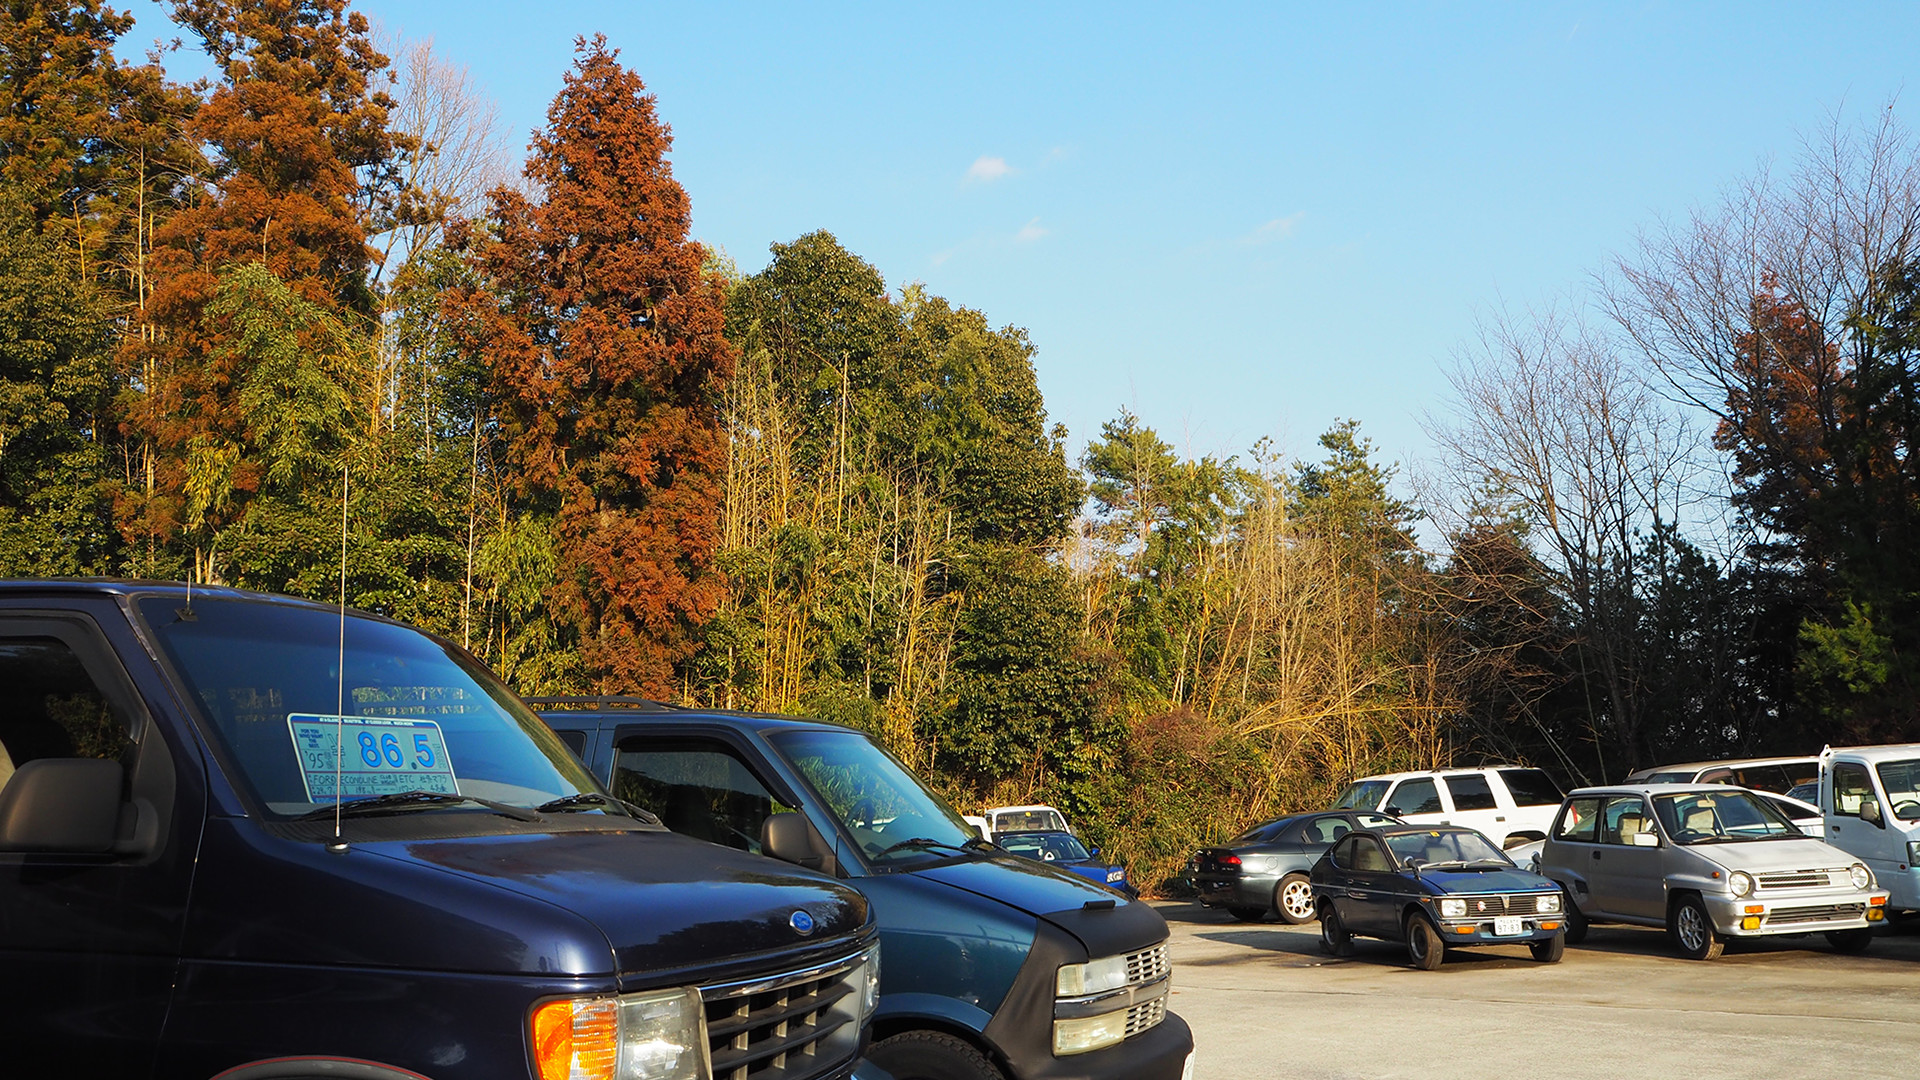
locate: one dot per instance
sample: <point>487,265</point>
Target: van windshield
<point>414,723</point>
<point>1901,779</point>
<point>877,801</point>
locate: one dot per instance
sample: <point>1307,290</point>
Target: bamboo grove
<point>1667,519</point>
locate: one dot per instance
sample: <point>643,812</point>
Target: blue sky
<point>1244,222</point>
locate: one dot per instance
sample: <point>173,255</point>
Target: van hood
<point>634,905</point>
<point>663,901</point>
<point>1112,925</point>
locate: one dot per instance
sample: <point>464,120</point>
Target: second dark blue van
<point>997,967</point>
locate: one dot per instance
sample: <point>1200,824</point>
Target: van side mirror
<point>790,837</point>
<point>1870,812</point>
<point>61,804</point>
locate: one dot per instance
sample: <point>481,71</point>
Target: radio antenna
<point>340,685</point>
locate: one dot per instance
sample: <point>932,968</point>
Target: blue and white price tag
<point>380,757</point>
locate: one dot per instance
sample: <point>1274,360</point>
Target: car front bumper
<point>1480,931</point>
<point>1803,912</point>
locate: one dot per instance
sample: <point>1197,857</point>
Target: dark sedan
<point>1434,888</point>
<point>1263,871</point>
<point>1064,850</point>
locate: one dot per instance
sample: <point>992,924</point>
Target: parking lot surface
<point>1265,1002</point>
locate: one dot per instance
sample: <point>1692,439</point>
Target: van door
<point>1882,847</point>
<point>89,941</point>
<point>698,786</point>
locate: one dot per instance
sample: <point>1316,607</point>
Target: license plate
<point>1509,926</point>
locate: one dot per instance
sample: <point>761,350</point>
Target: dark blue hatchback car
<point>1434,888</point>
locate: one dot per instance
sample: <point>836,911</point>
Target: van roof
<point>1878,753</point>
<point>1696,766</point>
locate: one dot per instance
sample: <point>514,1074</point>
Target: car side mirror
<point>1094,852</point>
<point>1646,839</point>
<point>1870,812</point>
<point>61,804</point>
<point>790,837</point>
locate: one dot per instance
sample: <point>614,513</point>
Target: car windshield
<point>1045,846</point>
<point>879,803</point>
<point>1043,819</point>
<point>1363,795</point>
<point>1443,847</point>
<point>1902,781</point>
<point>412,717</point>
<point>1709,817</point>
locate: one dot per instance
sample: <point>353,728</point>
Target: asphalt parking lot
<point>1265,1002</point>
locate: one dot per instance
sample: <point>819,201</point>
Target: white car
<point>1038,818</point>
<point>1510,804</point>
<point>1776,774</point>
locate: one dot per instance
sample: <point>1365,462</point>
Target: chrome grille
<point>1496,904</point>
<point>1147,965</point>
<point>1145,1015</point>
<point>1816,914</point>
<point>794,1026</point>
<point>1798,879</point>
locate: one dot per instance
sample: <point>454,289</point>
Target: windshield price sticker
<point>381,757</point>
<point>1508,926</point>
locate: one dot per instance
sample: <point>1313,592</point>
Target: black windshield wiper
<point>593,800</point>
<point>402,801</point>
<point>924,842</point>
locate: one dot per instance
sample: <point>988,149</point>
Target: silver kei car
<point>1708,862</point>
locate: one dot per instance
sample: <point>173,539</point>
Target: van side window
<point>1414,797</point>
<point>1850,785</point>
<point>1471,791</point>
<point>698,787</point>
<point>1579,821</point>
<point>50,707</point>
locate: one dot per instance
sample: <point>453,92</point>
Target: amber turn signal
<point>576,1038</point>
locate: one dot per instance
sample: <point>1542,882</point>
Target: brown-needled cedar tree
<point>603,336</point>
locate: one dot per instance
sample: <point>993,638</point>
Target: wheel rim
<point>1417,941</point>
<point>1296,899</point>
<point>1693,933</point>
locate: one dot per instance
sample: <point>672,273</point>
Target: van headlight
<point>1089,1034</point>
<point>1453,909</point>
<point>1862,877</point>
<point>869,981</point>
<point>1092,977</point>
<point>1740,883</point>
<point>659,1035</point>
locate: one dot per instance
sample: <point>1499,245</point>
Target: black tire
<point>1334,939</point>
<point>931,1055</point>
<point>1850,940</point>
<point>1549,951</point>
<point>1576,922</point>
<point>1691,929</point>
<point>1426,949</point>
<point>1247,914</point>
<point>1293,900</point>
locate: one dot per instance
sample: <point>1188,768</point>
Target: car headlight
<point>1092,977</point>
<point>1116,875</point>
<point>1453,909</point>
<point>661,1035</point>
<point>1547,904</point>
<point>1862,877</point>
<point>1740,883</point>
<point>1089,1034</point>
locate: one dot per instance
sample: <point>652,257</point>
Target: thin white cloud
<point>988,169</point>
<point>1029,232</point>
<point>1275,230</point>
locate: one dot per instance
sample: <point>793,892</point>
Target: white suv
<point>1510,804</point>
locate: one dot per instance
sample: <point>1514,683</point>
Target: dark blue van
<point>254,838</point>
<point>996,966</point>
